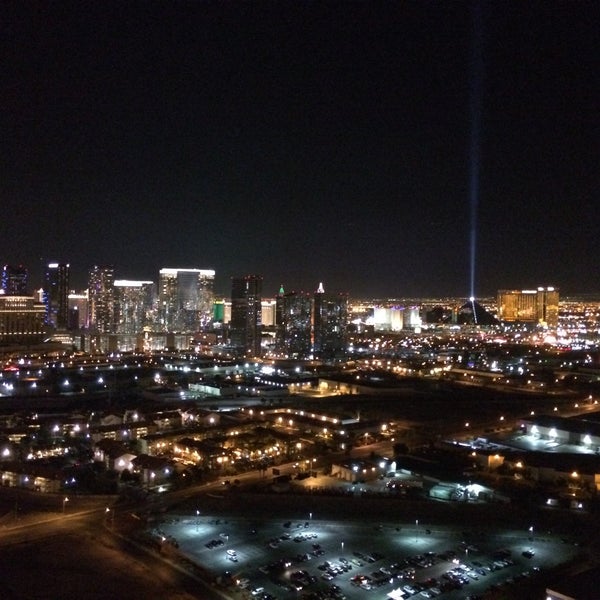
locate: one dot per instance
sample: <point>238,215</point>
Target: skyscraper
<point>294,331</point>
<point>330,320</point>
<point>529,306</point>
<point>133,305</point>
<point>245,325</point>
<point>185,298</point>
<point>56,294</point>
<point>14,280</point>
<point>547,307</point>
<point>101,299</point>
<point>268,311</point>
<point>78,310</point>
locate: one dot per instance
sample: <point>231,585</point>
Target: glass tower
<point>246,324</point>
<point>56,295</point>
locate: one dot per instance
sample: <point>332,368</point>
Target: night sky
<point>304,141</point>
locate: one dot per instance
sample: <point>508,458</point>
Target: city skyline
<point>29,285</point>
<point>303,143</point>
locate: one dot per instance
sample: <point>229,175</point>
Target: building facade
<point>78,310</point>
<point>56,295</point>
<point>294,333</point>
<point>330,322</point>
<point>185,298</point>
<point>133,305</point>
<point>101,299</point>
<point>539,307</point>
<point>246,313</point>
<point>14,280</point>
<point>21,320</point>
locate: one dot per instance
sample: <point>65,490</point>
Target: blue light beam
<point>475,101</point>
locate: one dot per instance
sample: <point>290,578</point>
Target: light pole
<point>64,503</point>
<point>416,530</point>
<point>342,548</point>
<point>197,520</point>
<point>110,513</point>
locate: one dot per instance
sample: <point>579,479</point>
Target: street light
<point>416,530</point>
<point>110,512</point>
<point>65,500</point>
<point>342,548</point>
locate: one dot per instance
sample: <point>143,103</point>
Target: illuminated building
<point>547,306</point>
<point>219,311</point>
<point>330,320</point>
<point>101,299</point>
<point>268,311</point>
<point>529,306</point>
<point>412,318</point>
<point>388,319</point>
<point>185,298</point>
<point>21,320</point>
<point>78,310</point>
<point>279,306</point>
<point>14,280</point>
<point>133,305</point>
<point>294,331</point>
<point>56,294</point>
<point>246,324</point>
<point>222,311</point>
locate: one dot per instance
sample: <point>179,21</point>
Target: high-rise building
<point>78,310</point>
<point>14,280</point>
<point>185,298</point>
<point>56,294</point>
<point>538,307</point>
<point>101,299</point>
<point>219,311</point>
<point>279,306</point>
<point>245,324</point>
<point>268,312</point>
<point>547,307</point>
<point>330,321</point>
<point>388,318</point>
<point>133,305</point>
<point>294,331</point>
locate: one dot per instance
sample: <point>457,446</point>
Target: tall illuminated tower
<point>295,329</point>
<point>245,325</point>
<point>547,307</point>
<point>330,321</point>
<point>185,298</point>
<point>133,305</point>
<point>56,294</point>
<point>101,298</point>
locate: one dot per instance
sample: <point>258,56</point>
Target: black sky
<point>304,141</point>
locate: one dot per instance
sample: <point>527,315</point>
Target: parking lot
<point>317,558</point>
